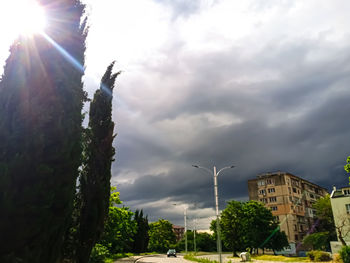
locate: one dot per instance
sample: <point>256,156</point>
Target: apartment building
<point>179,232</point>
<point>290,199</point>
<point>340,201</point>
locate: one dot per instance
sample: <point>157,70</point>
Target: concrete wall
<point>341,217</point>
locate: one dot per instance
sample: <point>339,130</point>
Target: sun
<point>26,17</point>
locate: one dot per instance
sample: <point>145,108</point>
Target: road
<point>163,259</point>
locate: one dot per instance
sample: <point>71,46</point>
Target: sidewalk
<point>128,259</point>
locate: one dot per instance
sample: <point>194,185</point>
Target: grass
<point>200,260</point>
<point>280,258</point>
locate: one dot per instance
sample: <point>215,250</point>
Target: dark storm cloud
<point>294,121</point>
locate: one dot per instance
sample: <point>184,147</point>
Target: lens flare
<point>26,17</point>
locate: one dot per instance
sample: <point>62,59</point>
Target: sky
<point>259,84</point>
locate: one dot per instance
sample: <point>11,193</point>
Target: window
<point>274,208</point>
<point>260,183</point>
<point>294,190</point>
<point>312,196</point>
<point>296,237</point>
<point>262,191</point>
<point>276,218</point>
<point>269,181</point>
<point>291,199</point>
<point>263,200</point>
<point>295,183</point>
<point>346,191</point>
<point>347,206</point>
<point>271,190</point>
<point>273,199</point>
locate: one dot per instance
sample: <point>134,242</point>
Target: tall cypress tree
<point>141,236</point>
<point>96,175</point>
<point>41,98</point>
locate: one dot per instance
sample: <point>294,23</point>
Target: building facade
<point>340,201</point>
<point>179,232</point>
<point>290,199</point>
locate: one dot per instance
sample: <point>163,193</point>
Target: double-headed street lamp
<point>218,240</point>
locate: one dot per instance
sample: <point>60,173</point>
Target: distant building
<point>340,201</point>
<point>290,199</point>
<point>179,232</point>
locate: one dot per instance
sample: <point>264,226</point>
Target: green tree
<point>119,228</point>
<point>96,173</point>
<point>232,232</point>
<point>161,236</point>
<point>41,99</point>
<point>277,240</point>
<point>318,241</point>
<point>205,242</point>
<point>347,166</point>
<point>257,223</point>
<point>325,218</point>
<point>249,225</point>
<point>141,236</point>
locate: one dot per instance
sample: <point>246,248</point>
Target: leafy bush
<point>337,258</point>
<point>345,254</point>
<point>98,254</point>
<point>317,255</point>
<point>311,255</point>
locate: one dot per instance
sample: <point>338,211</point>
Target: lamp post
<point>216,196</point>
<point>185,219</point>
<point>194,236</point>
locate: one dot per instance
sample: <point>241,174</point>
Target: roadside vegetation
<point>280,258</point>
<point>193,257</point>
<point>55,173</point>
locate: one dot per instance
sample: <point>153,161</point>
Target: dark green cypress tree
<point>96,175</point>
<point>41,99</point>
<point>141,237</point>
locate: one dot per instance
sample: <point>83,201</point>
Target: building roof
<point>268,174</point>
<point>339,192</point>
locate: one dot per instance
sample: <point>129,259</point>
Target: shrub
<point>317,255</point>
<point>345,254</point>
<point>337,259</point>
<point>311,255</point>
<point>322,256</point>
<point>98,254</point>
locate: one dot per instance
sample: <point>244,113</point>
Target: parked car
<point>171,252</point>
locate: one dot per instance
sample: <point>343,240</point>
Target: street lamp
<point>185,219</point>
<point>194,235</point>
<point>218,240</point>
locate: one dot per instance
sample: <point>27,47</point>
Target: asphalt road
<point>163,259</point>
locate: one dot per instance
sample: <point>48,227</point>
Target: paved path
<point>179,259</point>
<point>153,259</point>
<point>226,258</point>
